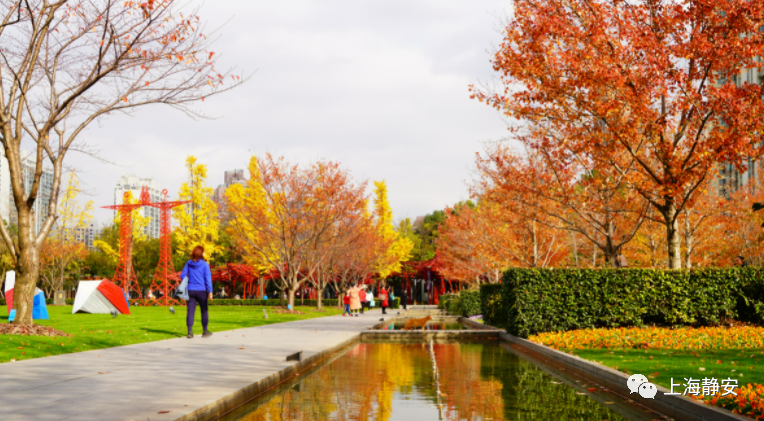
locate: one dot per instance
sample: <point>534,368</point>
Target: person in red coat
<point>346,301</point>
<point>384,295</point>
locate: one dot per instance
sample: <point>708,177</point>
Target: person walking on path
<point>403,297</point>
<point>355,299</point>
<point>383,295</point>
<point>199,290</point>
<point>370,299</point>
<point>346,301</point>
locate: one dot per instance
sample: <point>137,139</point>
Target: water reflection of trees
<point>478,381</point>
<point>529,394</point>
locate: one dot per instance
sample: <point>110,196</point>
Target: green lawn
<point>660,365</point>
<point>145,324</point>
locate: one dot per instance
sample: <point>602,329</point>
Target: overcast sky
<point>378,85</point>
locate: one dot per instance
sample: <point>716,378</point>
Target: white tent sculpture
<point>99,297</point>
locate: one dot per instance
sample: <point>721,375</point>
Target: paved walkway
<point>136,382</point>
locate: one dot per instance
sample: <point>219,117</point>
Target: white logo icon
<point>634,381</point>
<point>647,390</point>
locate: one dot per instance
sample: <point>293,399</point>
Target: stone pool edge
<point>226,404</point>
<point>680,408</point>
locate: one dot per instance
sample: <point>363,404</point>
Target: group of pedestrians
<point>356,299</point>
<point>196,289</point>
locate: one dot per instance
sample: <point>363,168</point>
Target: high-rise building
<point>229,178</point>
<point>134,184</point>
<point>8,207</point>
<point>233,176</point>
<point>88,234</point>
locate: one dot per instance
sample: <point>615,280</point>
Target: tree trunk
<point>319,298</point>
<point>290,297</point>
<point>610,253</point>
<point>27,269</point>
<point>688,242</point>
<point>672,237</point>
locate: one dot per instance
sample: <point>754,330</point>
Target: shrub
<point>444,299</point>
<point>469,303</point>
<point>465,303</point>
<point>490,303</point>
<point>549,300</point>
<point>454,305</point>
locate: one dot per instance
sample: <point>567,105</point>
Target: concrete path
<point>136,382</point>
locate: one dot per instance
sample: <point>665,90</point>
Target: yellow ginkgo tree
<point>395,248</point>
<point>198,221</point>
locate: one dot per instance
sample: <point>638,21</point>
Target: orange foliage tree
<point>640,88</point>
<point>476,244</point>
<point>568,190</point>
<point>289,215</point>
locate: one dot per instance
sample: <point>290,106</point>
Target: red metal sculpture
<point>124,276</point>
<point>165,277</point>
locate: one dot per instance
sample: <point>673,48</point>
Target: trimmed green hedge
<point>469,303</point>
<point>547,300</point>
<point>465,303</point>
<point>444,299</point>
<point>490,303</point>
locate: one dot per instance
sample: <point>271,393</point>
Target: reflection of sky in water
<point>388,381</point>
<point>407,407</point>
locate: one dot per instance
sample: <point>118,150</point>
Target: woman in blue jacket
<point>199,289</point>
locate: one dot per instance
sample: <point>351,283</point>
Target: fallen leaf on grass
<point>163,412</point>
<point>592,389</point>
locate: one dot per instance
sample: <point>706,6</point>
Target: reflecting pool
<point>398,381</point>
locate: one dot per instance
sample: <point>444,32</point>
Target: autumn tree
<point>66,241</point>
<point>643,89</point>
<point>464,248</point>
<point>67,64</point>
<point>285,214</point>
<point>350,254</point>
<point>396,248</point>
<point>568,189</point>
<point>198,222</point>
<point>482,242</point>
